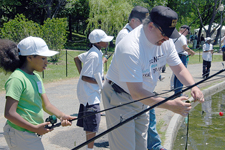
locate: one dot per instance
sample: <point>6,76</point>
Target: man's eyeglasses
<point>157,26</point>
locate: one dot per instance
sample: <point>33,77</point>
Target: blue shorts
<point>91,122</point>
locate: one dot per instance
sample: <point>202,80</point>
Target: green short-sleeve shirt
<point>27,89</point>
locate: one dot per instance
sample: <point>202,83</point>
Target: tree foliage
<point>54,34</point>
<point>110,15</point>
<point>19,28</point>
<point>53,31</point>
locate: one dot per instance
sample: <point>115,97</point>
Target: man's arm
<point>177,105</point>
<point>185,77</point>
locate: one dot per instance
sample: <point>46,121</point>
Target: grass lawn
<point>196,59</point>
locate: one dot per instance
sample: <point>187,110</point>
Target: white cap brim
<point>107,39</point>
<point>48,53</point>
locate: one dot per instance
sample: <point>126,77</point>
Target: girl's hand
<point>66,120</point>
<point>41,128</point>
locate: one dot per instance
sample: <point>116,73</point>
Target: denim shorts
<point>89,120</point>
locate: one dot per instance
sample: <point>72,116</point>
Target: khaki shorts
<point>22,140</point>
<point>131,135</point>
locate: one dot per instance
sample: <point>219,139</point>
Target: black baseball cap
<point>139,12</point>
<point>186,27</point>
<point>166,19</point>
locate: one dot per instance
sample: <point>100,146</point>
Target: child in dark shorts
<point>91,122</point>
<point>88,88</point>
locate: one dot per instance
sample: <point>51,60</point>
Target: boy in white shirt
<point>207,57</point>
<point>88,91</point>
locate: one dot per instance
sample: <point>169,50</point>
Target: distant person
<point>26,98</point>
<point>183,51</point>
<point>137,15</point>
<point>202,40</point>
<point>223,46</point>
<point>195,39</point>
<point>191,38</point>
<point>88,87</point>
<point>207,57</point>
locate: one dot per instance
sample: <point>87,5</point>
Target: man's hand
<point>179,106</point>
<point>197,94</point>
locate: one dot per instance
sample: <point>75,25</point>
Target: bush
<point>54,34</point>
<point>20,28</point>
<point>53,31</point>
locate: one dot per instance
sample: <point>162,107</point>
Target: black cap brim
<point>175,34</point>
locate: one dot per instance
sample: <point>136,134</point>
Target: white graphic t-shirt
<point>137,60</point>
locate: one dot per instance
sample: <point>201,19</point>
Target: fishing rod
<point>52,119</point>
<point>142,112</point>
<point>110,55</point>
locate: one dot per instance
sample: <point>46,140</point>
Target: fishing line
<point>187,129</point>
<point>138,114</point>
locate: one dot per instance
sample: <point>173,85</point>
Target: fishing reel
<point>52,119</point>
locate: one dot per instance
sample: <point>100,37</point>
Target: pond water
<point>206,126</point>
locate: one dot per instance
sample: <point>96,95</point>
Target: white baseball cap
<point>208,38</point>
<point>34,46</point>
<point>98,35</point>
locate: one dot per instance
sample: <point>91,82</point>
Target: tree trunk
<point>49,8</point>
<point>217,36</point>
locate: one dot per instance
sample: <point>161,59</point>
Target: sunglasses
<point>160,29</point>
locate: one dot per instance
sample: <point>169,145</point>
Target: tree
<point>208,13</point>
<point>77,12</point>
<point>36,10</point>
<point>19,28</point>
<point>111,15</point>
<point>53,31</point>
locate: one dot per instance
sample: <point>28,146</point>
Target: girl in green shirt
<point>25,94</point>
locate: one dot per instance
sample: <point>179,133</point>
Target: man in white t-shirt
<point>183,51</point>
<point>207,57</point>
<point>133,74</point>
<point>136,17</point>
<point>88,87</point>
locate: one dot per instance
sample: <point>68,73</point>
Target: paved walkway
<point>63,95</point>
